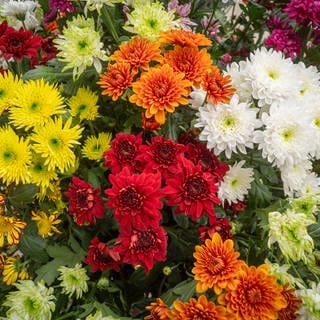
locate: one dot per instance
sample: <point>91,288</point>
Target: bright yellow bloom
<point>11,228</point>
<point>13,270</point>
<point>54,142</point>
<point>35,102</point>
<point>15,156</point>
<point>94,147</point>
<point>84,104</point>
<point>46,223</point>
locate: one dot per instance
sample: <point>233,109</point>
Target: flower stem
<point>110,24</point>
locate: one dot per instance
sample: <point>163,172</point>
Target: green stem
<point>110,24</point>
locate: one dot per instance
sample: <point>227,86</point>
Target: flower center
<point>82,107</point>
<point>8,156</point>
<point>82,44</point>
<point>126,151</point>
<point>129,198</point>
<point>216,265</point>
<point>164,153</point>
<point>196,187</point>
<point>35,106</point>
<point>229,122</point>
<point>5,226</point>
<point>254,295</point>
<point>143,241</point>
<point>288,134</point>
<point>31,305</point>
<point>85,199</point>
<point>273,74</point>
<point>152,23</point>
<point>55,143</point>
<point>317,122</point>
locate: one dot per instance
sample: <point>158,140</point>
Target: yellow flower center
<point>5,225</point>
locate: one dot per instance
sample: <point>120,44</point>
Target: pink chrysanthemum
<point>304,11</point>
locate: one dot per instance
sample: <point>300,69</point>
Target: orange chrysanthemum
<point>256,296</point>
<point>218,86</point>
<point>160,90</point>
<point>191,61</point>
<point>117,79</point>
<point>138,52</point>
<point>216,265</point>
<point>158,311</point>
<point>201,309</point>
<point>184,38</point>
<point>293,304</point>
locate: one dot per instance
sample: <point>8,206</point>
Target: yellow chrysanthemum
<point>95,146</point>
<point>9,84</point>
<point>46,223</point>
<point>13,270</point>
<point>83,104</point>
<point>35,102</point>
<point>15,156</point>
<point>10,228</point>
<point>54,142</point>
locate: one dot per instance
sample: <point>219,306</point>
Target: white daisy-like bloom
<point>286,137</point>
<point>313,110</point>
<point>197,98</point>
<point>311,185</point>
<point>294,176</point>
<point>228,127</point>
<point>236,183</point>
<point>310,307</point>
<point>273,77</point>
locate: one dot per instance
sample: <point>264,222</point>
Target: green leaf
<point>23,194</point>
<point>182,220</point>
<point>34,247</point>
<point>49,271</point>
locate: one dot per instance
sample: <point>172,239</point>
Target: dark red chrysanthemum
<point>235,207</point>
<point>161,155</point>
<point>135,198</point>
<point>143,248</point>
<point>220,225</point>
<point>123,152</point>
<point>18,44</point>
<point>48,50</point>
<point>101,257</point>
<point>85,203</point>
<point>192,190</point>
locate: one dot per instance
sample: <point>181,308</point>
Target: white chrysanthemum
<point>310,309</point>
<point>228,127</point>
<point>311,185</point>
<point>236,183</point>
<point>273,78</point>
<point>313,111</point>
<point>286,137</point>
<point>197,98</point>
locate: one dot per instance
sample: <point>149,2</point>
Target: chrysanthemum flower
<point>54,142</point>
<point>192,190</point>
<point>158,310</point>
<point>220,225</point>
<point>14,269</point>
<point>217,265</point>
<point>189,60</point>
<point>149,18</point>
<point>84,104</point>
<point>184,38</point>
<point>255,295</point>
<point>94,147</point>
<point>290,312</point>
<point>73,280</point>
<point>160,90</point>
<point>199,308</point>
<point>135,198</point>
<point>301,11</point>
<point>9,84</point>
<point>80,46</point>
<point>116,80</point>
<point>85,203</point>
<point>15,157</point>
<point>11,229</point>
<point>92,5</point>
<point>310,309</point>
<point>138,52</point>
<point>31,301</point>
<point>101,257</point>
<point>34,104</point>
<point>217,85</point>
<point>46,223</point>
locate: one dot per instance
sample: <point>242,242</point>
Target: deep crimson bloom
<point>192,190</point>
<point>135,198</point>
<point>48,50</point>
<point>220,225</point>
<point>143,248</point>
<point>85,203</point>
<point>161,155</point>
<point>123,152</point>
<point>18,44</point>
<point>101,257</point>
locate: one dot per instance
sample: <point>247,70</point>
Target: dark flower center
<point>129,198</point>
<point>85,199</point>
<point>143,241</point>
<point>164,153</point>
<point>254,295</point>
<point>126,151</point>
<point>196,188</point>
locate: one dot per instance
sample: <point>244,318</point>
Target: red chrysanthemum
<point>19,44</point>
<point>48,50</point>
<point>123,152</point>
<point>143,248</point>
<point>221,225</point>
<point>135,198</point>
<point>101,257</point>
<point>192,191</point>
<point>85,203</point>
<point>161,155</point>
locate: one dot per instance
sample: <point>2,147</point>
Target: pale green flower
<point>80,46</point>
<point>148,19</point>
<point>98,316</point>
<point>310,309</point>
<point>32,301</point>
<point>103,283</point>
<point>307,204</point>
<point>289,229</point>
<point>313,262</point>
<point>73,280</point>
<point>92,5</point>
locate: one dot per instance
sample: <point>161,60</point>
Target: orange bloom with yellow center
<point>216,265</point>
<point>138,52</point>
<point>191,61</point>
<point>117,79</point>
<point>160,90</point>
<point>184,38</point>
<point>11,228</point>
<point>218,86</point>
<point>158,311</point>
<point>256,296</point>
<point>200,309</point>
<point>293,304</point>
